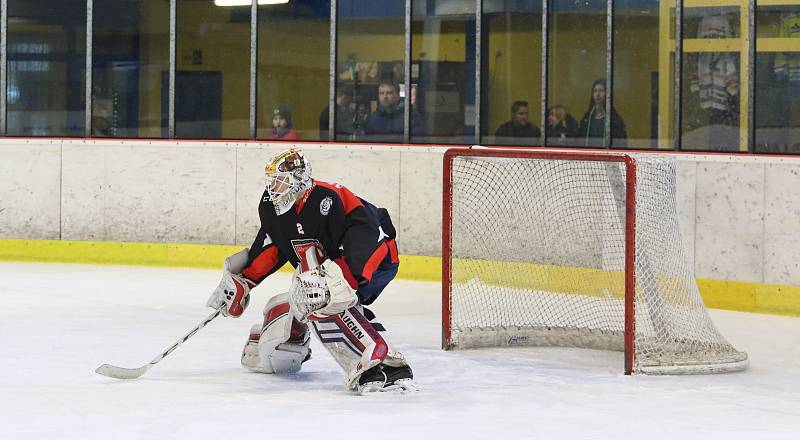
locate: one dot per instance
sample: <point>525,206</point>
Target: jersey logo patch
<point>325,205</point>
<point>267,241</point>
<point>381,234</point>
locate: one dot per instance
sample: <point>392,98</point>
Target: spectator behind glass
<point>282,124</point>
<point>518,130</point>
<point>561,126</point>
<point>387,121</point>
<point>592,130</point>
<point>344,115</point>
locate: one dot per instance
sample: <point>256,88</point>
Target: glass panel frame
<point>212,91</point>
<point>445,71</point>
<point>714,114</point>
<point>588,65</point>
<point>45,77</point>
<point>749,133</point>
<point>293,70</point>
<point>361,66</point>
<point>3,36</point>
<point>130,52</point>
<point>644,77</point>
<point>511,75</point>
<point>777,102</point>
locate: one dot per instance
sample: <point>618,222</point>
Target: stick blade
<point>121,373</point>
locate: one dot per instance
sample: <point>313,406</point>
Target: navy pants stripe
<point>380,279</point>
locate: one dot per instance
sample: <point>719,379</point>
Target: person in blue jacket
<point>386,123</point>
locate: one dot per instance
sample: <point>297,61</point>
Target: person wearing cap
<point>282,124</point>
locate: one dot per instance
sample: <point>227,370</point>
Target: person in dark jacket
<point>518,129</point>
<point>387,121</point>
<point>592,130</point>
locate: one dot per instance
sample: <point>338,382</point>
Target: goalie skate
<point>399,379</point>
<point>384,378</point>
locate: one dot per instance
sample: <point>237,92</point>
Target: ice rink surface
<point>59,322</point>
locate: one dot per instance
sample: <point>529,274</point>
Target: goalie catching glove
<point>233,291</point>
<point>320,292</point>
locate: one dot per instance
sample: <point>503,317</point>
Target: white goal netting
<point>538,258</point>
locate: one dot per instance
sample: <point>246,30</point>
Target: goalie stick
<point>133,373</point>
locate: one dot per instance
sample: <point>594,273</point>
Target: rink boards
<point>191,200</point>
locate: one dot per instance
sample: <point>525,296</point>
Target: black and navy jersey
<point>352,232</point>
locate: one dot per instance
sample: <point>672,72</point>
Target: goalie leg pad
<point>279,345</point>
<point>355,343</point>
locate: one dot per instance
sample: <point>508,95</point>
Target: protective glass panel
<point>443,71</point>
<point>130,54</point>
<point>777,94</point>
<point>46,68</point>
<point>212,80</point>
<point>643,75</point>
<point>371,43</point>
<point>511,76</point>
<point>577,67</point>
<point>712,91</point>
<point>293,70</point>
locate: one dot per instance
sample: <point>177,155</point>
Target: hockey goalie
<point>344,253</point>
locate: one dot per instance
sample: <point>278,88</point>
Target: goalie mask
<point>288,177</point>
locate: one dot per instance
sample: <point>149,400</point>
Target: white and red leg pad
<point>355,344</point>
<point>280,344</point>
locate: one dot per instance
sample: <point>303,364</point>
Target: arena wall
<point>740,215</point>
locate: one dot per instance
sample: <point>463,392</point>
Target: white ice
<point>59,322</point>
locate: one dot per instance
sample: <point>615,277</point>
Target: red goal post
<point>539,247</point>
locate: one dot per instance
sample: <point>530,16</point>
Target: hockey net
<point>573,250</point>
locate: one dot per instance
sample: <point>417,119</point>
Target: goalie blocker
<point>304,221</point>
